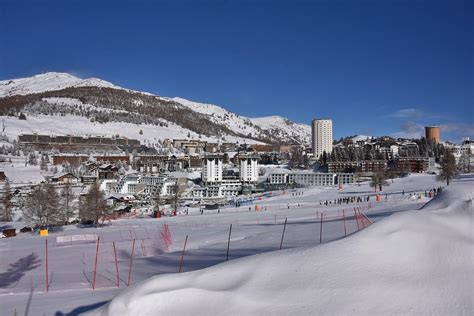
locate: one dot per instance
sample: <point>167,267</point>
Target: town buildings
<point>308,178</point>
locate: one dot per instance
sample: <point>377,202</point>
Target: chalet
<point>66,178</point>
<point>107,171</point>
<point>115,199</point>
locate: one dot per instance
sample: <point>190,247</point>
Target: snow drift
<point>416,262</point>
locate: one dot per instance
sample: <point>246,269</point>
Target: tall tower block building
<point>321,136</point>
<point>212,169</point>
<point>249,168</point>
<point>432,132</point>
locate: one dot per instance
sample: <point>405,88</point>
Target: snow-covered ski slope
<point>412,263</point>
<point>415,262</point>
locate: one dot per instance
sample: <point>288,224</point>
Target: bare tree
<point>297,159</point>
<point>42,207</point>
<point>177,191</point>
<point>390,174</point>
<point>93,206</point>
<point>379,179</point>
<point>7,202</point>
<point>67,198</point>
<point>448,168</point>
<point>157,200</point>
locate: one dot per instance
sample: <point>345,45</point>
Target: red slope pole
<point>46,252</point>
<point>228,242</point>
<point>283,233</point>
<point>131,262</point>
<point>95,264</point>
<point>182,254</point>
<point>344,217</point>
<point>321,229</point>
<point>116,264</point>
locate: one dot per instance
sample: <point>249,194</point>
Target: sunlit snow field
<point>323,263</point>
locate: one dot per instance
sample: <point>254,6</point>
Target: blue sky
<point>374,67</point>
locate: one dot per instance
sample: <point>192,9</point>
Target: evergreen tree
<point>32,159</point>
<point>465,162</point>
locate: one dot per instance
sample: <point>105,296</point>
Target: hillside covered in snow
<point>53,95</point>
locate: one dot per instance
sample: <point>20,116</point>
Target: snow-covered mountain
<point>49,81</point>
<point>55,94</point>
<point>283,127</point>
<point>276,125</point>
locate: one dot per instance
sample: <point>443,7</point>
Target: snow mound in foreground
<point>458,200</point>
<point>412,263</point>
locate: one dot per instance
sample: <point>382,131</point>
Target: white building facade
<point>249,169</point>
<point>311,179</point>
<point>212,169</point>
<point>321,137</point>
<point>145,185</point>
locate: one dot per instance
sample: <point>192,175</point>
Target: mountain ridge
<point>52,90</point>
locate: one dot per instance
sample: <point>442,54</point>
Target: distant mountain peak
<point>49,81</point>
